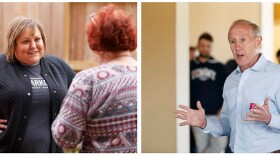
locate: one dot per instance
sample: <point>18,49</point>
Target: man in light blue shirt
<point>251,109</point>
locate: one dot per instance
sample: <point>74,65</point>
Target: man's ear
<point>258,42</point>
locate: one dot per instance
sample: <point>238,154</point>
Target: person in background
<point>192,51</point>
<point>251,109</point>
<point>207,80</point>
<point>100,108</point>
<point>230,66</point>
<point>32,88</point>
<point>278,56</point>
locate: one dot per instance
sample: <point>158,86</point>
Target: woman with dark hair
<point>32,87</point>
<point>100,108</point>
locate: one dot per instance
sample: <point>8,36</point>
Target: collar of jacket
<point>43,64</point>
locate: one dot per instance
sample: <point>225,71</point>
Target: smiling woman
<point>30,46</point>
<point>32,88</point>
<point>27,42</point>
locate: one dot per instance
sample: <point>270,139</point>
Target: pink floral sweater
<point>100,111</point>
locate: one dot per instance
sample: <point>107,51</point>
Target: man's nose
<point>238,46</point>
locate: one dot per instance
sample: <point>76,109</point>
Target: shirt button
<point>54,114</point>
<point>28,94</point>
<point>25,117</point>
<point>19,139</point>
<point>54,91</point>
<point>25,75</point>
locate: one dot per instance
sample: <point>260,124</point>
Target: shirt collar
<point>258,66</point>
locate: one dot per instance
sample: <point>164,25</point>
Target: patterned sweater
<point>100,111</point>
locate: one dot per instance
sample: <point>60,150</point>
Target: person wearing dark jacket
<point>32,87</point>
<point>207,77</point>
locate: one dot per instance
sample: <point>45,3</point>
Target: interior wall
<point>158,78</point>
<point>216,18</point>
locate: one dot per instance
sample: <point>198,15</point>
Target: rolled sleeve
<point>209,126</point>
<point>216,126</point>
<point>275,121</point>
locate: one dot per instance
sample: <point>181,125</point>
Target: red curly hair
<point>112,30</point>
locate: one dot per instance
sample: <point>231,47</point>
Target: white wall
<point>182,72</point>
<point>267,25</point>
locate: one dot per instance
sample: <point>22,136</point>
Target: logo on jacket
<point>38,83</point>
<point>203,74</point>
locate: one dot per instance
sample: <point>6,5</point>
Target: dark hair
<point>206,36</point>
<point>278,53</point>
<point>192,48</point>
<point>113,30</point>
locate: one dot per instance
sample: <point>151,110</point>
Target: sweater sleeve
<point>68,127</point>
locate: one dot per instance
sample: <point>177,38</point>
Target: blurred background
<point>64,25</point>
<point>168,30</point>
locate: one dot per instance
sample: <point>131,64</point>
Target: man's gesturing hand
<point>260,113</point>
<point>192,117</point>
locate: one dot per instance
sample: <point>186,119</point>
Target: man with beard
<point>207,77</point>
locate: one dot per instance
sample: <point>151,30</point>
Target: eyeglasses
<point>92,19</point>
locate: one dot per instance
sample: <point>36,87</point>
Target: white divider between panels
<point>182,72</point>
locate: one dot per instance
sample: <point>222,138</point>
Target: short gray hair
<point>255,28</point>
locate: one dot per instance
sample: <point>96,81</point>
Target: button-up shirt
<point>240,89</point>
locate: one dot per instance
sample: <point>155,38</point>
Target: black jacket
<point>15,96</point>
<point>207,81</point>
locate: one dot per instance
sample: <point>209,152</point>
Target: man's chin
<point>204,56</point>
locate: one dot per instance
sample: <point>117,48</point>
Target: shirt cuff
<point>275,121</point>
<point>208,127</point>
